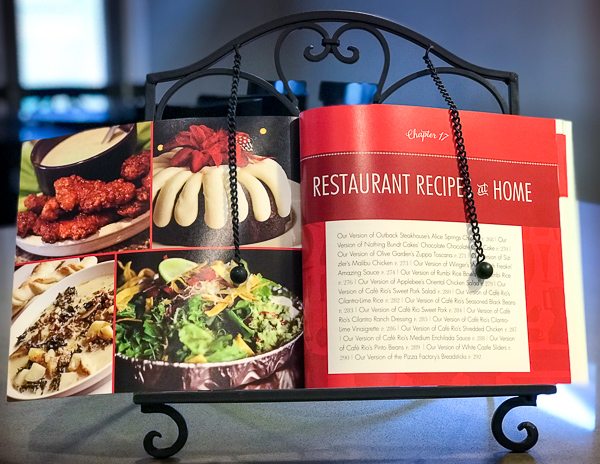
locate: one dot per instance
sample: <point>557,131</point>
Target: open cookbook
<point>352,229</point>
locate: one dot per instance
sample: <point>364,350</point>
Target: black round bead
<point>238,274</point>
<point>484,270</point>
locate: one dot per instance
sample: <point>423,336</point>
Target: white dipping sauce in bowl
<point>81,146</point>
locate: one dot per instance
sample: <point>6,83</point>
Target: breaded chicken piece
<point>92,195</point>
<point>83,225</point>
<point>68,191</point>
<point>51,210</point>
<point>136,166</point>
<point>106,195</point>
<point>47,230</point>
<point>142,194</point>
<point>133,209</point>
<point>35,202</point>
<point>147,182</point>
<point>25,223</point>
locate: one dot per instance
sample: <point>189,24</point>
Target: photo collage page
<point>123,258</point>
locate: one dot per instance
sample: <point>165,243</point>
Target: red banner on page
<point>400,185</point>
<point>425,130</point>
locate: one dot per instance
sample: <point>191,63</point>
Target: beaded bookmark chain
<point>239,273</point>
<point>483,269</point>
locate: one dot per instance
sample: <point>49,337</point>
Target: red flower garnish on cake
<point>202,146</point>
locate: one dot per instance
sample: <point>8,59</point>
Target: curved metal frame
<point>532,432</point>
<point>330,43</point>
<point>524,395</point>
<point>221,72</point>
<point>182,431</point>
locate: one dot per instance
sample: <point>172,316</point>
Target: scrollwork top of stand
<point>331,44</point>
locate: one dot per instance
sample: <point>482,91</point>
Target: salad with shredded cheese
<point>194,313</point>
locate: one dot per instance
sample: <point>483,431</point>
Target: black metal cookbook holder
<point>379,28</point>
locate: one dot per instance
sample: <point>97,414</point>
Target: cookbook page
<point>123,257</point>
<point>390,292</point>
<point>83,198</point>
<point>181,323</point>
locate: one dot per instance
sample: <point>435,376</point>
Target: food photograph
<point>191,205</point>
<point>61,336</point>
<point>182,325</point>
<point>85,193</point>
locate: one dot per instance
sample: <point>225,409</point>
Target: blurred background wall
<point>551,44</point>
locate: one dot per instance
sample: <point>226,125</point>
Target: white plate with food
<point>21,275</point>
<point>108,235</point>
<point>31,280</point>
<point>61,343</point>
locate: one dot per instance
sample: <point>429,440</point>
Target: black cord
<point>483,269</point>
<point>238,274</point>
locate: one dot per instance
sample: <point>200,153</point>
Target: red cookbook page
<point>389,291</point>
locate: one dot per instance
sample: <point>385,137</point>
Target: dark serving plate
<point>106,165</point>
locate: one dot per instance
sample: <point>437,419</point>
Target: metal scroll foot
<point>182,436</point>
<point>532,433</point>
